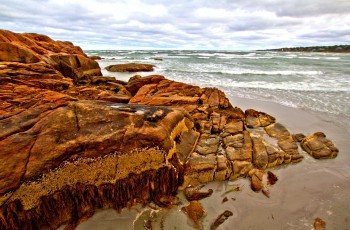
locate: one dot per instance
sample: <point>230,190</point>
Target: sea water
<point>319,82</point>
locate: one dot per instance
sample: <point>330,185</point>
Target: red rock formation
<point>44,127</point>
<point>27,48</point>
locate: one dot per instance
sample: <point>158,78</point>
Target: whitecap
<point>271,72</point>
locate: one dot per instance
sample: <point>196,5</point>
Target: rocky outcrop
<point>28,48</point>
<point>130,67</point>
<point>55,136</point>
<point>85,133</point>
<point>231,142</point>
<point>73,141</point>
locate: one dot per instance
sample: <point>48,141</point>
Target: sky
<point>182,24</point>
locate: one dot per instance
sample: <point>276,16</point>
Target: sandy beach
<point>304,191</point>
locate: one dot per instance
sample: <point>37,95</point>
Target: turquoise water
<point>318,82</point>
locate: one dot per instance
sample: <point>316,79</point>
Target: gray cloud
<point>194,24</point>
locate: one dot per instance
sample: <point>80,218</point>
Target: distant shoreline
<point>318,49</point>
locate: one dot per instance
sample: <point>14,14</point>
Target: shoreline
<point>304,191</point>
<point>314,49</point>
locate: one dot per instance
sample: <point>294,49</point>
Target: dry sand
<point>304,191</point>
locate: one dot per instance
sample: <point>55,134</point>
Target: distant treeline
<point>329,49</point>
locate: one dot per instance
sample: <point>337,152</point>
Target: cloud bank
<point>191,24</point>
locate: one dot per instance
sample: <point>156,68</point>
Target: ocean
<point>319,82</point>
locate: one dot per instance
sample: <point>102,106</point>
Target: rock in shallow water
<point>195,193</point>
<point>221,219</point>
<point>195,212</point>
<point>131,67</point>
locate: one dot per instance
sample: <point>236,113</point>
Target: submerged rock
<point>221,219</point>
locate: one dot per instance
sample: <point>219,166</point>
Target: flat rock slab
<point>130,67</point>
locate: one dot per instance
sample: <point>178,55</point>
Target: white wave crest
<point>272,72</point>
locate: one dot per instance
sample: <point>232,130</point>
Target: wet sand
<point>304,191</point>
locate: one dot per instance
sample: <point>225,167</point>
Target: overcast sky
<point>182,24</point>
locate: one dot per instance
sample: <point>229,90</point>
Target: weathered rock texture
<point>73,141</point>
<point>195,213</point>
<point>226,148</point>
<point>65,154</point>
<point>29,48</point>
<point>319,147</point>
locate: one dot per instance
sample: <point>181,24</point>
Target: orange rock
<point>319,147</point>
<point>70,60</point>
<point>195,212</point>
